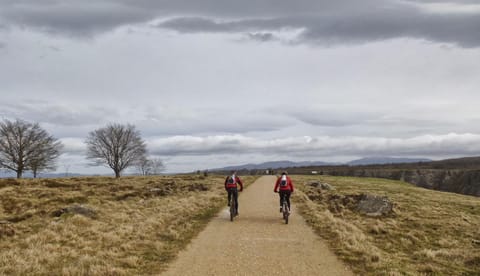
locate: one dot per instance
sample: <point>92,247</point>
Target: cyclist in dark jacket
<point>231,183</point>
<point>285,185</point>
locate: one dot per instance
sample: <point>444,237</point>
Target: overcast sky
<point>211,83</point>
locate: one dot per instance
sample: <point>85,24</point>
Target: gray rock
<point>76,209</point>
<point>320,185</point>
<point>375,206</point>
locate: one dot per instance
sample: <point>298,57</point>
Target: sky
<point>213,83</point>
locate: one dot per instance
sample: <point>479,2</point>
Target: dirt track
<point>257,242</point>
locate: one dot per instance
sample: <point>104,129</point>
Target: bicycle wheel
<point>232,211</point>
<point>285,212</point>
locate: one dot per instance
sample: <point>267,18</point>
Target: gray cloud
<point>180,121</point>
<point>196,24</point>
<point>322,22</point>
<point>338,117</point>
<point>308,147</point>
<point>72,17</point>
<point>262,37</point>
<point>458,29</point>
<point>56,114</point>
<point>3,45</point>
<point>331,29</point>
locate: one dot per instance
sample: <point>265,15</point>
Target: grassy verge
<point>429,233</point>
<point>138,227</point>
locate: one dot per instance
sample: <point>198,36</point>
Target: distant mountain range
<point>260,166</point>
<point>385,160</point>
<point>290,164</point>
<point>11,174</point>
<point>274,165</point>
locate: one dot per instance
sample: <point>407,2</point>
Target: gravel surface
<point>257,242</point>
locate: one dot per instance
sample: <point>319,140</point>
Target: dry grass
<point>140,224</point>
<point>429,233</point>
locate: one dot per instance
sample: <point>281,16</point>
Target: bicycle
<point>285,209</point>
<point>233,210</point>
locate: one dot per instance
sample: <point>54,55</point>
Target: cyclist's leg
<point>281,194</point>
<point>230,192</point>
<point>287,195</point>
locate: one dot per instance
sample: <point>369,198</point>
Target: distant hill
<point>274,165</point>
<point>11,174</point>
<point>291,164</point>
<point>385,160</point>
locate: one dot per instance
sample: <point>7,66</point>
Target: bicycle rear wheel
<point>232,210</point>
<point>285,212</point>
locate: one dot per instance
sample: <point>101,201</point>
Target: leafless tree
<point>148,166</point>
<point>45,159</point>
<point>118,146</point>
<point>157,166</point>
<point>144,166</point>
<point>26,146</point>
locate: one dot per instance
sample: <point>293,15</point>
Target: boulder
<point>375,206</point>
<point>76,209</point>
<point>320,185</point>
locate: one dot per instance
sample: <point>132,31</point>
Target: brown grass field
<point>429,232</point>
<point>134,225</point>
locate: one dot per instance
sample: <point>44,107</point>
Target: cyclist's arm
<point>276,185</point>
<point>240,183</point>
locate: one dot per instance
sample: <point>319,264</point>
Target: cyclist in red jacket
<point>285,184</point>
<point>231,187</point>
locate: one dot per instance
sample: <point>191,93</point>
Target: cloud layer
<point>212,82</point>
<point>318,22</point>
<point>319,147</point>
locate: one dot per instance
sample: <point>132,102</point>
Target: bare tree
<point>157,166</point>
<point>48,152</point>
<point>148,166</point>
<point>144,166</point>
<point>26,146</point>
<point>118,146</point>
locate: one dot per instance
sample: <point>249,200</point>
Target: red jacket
<point>233,185</point>
<point>288,187</point>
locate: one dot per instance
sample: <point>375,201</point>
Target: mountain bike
<point>233,210</point>
<point>233,205</point>
<point>285,209</point>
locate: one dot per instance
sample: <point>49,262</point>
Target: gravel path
<point>257,242</point>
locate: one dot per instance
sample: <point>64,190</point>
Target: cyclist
<point>231,187</point>
<point>285,184</point>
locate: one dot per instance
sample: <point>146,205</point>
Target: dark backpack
<point>230,180</point>
<point>283,183</point>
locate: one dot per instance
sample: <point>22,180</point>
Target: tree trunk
<point>34,173</point>
<point>19,174</point>
<point>117,174</point>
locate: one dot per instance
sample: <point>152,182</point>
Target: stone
<point>375,206</point>
<point>76,209</point>
<point>320,185</point>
